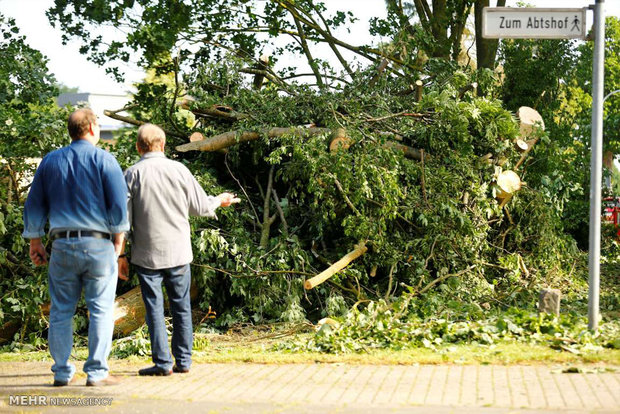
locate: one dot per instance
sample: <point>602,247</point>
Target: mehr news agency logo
<point>46,400</point>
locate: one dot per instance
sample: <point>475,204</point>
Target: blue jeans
<point>177,281</point>
<point>76,263</point>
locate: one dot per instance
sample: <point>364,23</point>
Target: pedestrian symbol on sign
<point>575,24</point>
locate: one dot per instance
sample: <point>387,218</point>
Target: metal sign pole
<point>596,165</point>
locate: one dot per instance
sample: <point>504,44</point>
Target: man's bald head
<point>150,138</point>
<point>79,123</point>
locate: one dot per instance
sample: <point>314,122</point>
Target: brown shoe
<point>110,380</point>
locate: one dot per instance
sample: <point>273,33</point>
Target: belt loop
<point>79,234</point>
<point>67,234</point>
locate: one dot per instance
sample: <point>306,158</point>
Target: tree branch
<point>279,208</point>
<point>267,220</point>
<point>114,115</point>
<point>346,198</point>
<point>306,49</point>
<point>444,277</point>
<point>216,111</point>
<point>230,138</point>
<point>333,47</point>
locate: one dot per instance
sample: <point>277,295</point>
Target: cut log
<point>521,145</point>
<point>530,144</point>
<point>340,139</point>
<point>129,311</point>
<point>408,151</point>
<point>529,120</point>
<point>508,182</point>
<point>196,136</point>
<point>228,139</point>
<point>263,65</point>
<point>419,89</point>
<point>359,250</point>
<point>471,87</point>
<point>487,158</point>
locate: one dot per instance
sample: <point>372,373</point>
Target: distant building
<point>98,102</point>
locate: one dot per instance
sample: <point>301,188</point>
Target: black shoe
<point>154,371</point>
<point>180,370</point>
<point>61,383</point>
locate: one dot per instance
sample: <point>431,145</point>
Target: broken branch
<point>126,119</point>
<point>228,139</point>
<point>216,111</point>
<point>359,250</point>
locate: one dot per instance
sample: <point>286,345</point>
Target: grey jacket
<point>162,194</point>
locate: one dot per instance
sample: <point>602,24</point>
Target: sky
<point>74,70</point>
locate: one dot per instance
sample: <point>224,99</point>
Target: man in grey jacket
<point>162,194</point>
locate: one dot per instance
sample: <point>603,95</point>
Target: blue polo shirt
<point>78,187</point>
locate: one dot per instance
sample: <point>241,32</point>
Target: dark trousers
<point>177,281</point>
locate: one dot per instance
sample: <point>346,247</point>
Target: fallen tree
<point>357,167</point>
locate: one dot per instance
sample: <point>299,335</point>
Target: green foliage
<point>138,343</point>
<point>32,125</point>
<point>432,226</point>
<point>207,30</point>
<point>411,323</point>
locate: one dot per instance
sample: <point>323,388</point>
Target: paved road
<point>319,388</point>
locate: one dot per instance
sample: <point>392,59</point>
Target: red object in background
<point>611,212</point>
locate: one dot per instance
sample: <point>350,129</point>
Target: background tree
<point>32,125</point>
<point>486,49</point>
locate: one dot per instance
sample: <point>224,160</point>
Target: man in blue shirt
<point>80,189</point>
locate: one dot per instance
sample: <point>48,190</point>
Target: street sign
<point>533,23</point>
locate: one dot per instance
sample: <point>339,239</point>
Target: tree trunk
<point>439,26</point>
<point>486,49</point>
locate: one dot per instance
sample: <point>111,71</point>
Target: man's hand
<point>123,268</point>
<point>227,199</point>
<point>119,243</point>
<point>38,255</point>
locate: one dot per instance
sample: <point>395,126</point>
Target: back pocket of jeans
<point>101,259</point>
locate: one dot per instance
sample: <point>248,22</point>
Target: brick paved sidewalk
<point>318,388</point>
